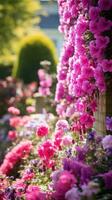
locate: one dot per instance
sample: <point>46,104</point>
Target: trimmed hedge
<point>34,49</point>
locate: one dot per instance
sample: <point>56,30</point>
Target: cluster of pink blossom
<point>42,130</point>
<point>13,110</point>
<point>100,27</point>
<point>19,121</point>
<point>34,193</point>
<point>83,62</point>
<point>45,82</point>
<point>46,152</point>
<point>15,155</point>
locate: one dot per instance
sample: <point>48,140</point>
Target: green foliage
<point>34,49</point>
<point>16,16</point>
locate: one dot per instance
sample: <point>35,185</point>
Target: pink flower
<point>87,120</point>
<point>64,183</point>
<point>33,192</point>
<point>12,135</point>
<point>16,154</point>
<point>94,13</point>
<point>46,150</point>
<point>30,109</point>
<point>13,110</point>
<point>67,140</point>
<point>62,125</point>
<point>15,121</point>
<point>58,138</point>
<point>42,130</point>
<point>106,65</point>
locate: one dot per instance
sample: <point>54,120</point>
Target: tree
<point>16,16</point>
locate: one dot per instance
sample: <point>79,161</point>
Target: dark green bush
<point>34,49</point>
<point>5,71</point>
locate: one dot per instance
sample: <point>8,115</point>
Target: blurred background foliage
<point>17,18</point>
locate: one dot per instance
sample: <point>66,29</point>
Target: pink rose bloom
<point>12,135</point>
<point>42,130</point>
<point>105,4</point>
<point>60,91</point>
<point>15,121</point>
<point>19,186</point>
<point>47,82</point>
<point>87,72</point>
<point>30,109</point>
<point>93,26</point>
<point>13,110</point>
<point>34,193</point>
<point>95,51</point>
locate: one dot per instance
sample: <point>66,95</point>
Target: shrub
<point>34,49</point>
<point>6,65</point>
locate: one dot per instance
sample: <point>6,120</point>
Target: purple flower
<point>91,135</point>
<point>81,153</point>
<point>109,123</point>
<point>107,142</point>
<point>79,169</point>
<point>107,177</point>
<point>72,194</point>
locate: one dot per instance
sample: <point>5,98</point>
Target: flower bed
<point>63,158</point>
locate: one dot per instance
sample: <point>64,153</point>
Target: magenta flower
<point>64,183</point>
<point>34,193</point>
<point>42,130</point>
<point>46,150</point>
